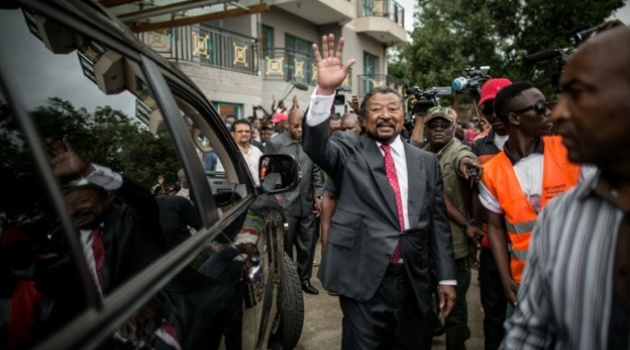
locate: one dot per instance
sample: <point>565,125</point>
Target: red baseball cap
<point>491,87</point>
<point>280,117</point>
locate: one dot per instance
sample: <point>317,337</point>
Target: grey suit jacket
<point>298,202</point>
<point>365,229</point>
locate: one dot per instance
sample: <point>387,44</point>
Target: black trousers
<point>303,235</point>
<point>493,300</point>
<point>390,320</point>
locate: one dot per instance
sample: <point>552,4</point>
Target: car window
<point>86,98</point>
<point>40,289</point>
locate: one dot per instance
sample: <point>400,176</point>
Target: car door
<point>174,276</point>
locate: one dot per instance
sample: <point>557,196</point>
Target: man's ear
<point>514,118</point>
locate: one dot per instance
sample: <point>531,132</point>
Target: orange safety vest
<point>499,177</point>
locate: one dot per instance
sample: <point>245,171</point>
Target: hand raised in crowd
<point>331,72</point>
<point>65,161</point>
<point>354,104</point>
<point>296,104</point>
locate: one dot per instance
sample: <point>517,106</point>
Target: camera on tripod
<point>471,84</point>
<point>561,55</point>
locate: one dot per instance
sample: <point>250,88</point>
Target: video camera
<point>423,99</point>
<point>561,55</point>
<point>471,84</point>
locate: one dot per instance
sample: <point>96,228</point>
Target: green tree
<point>450,35</point>
<point>106,136</point>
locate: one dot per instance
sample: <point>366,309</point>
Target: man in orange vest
<point>519,181</point>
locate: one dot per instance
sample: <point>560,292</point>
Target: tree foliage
<point>450,35</point>
<point>106,136</point>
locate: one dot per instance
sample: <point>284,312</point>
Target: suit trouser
<point>493,300</point>
<point>303,234</point>
<point>390,320</point>
<point>456,324</point>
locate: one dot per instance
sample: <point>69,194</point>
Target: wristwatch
<point>468,223</point>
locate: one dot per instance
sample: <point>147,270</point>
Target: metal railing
<point>384,8</point>
<point>291,66</point>
<point>206,45</point>
<point>288,65</point>
<point>369,82</point>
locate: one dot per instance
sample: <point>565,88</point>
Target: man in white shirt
<point>242,135</point>
<point>391,216</point>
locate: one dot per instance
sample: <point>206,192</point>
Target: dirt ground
<point>322,321</point>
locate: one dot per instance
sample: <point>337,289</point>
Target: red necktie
<point>98,248</point>
<point>392,177</point>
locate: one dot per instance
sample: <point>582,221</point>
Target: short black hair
<point>241,121</point>
<point>503,102</point>
<point>378,90</point>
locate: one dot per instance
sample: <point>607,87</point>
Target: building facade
<point>249,52</point>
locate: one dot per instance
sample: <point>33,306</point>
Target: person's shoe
<point>333,294</point>
<point>307,287</point>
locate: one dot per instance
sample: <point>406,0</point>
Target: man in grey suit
<point>301,204</point>
<point>390,227</point>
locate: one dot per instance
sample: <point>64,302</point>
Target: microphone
<point>459,84</point>
<point>294,85</point>
<point>584,35</point>
<point>300,86</point>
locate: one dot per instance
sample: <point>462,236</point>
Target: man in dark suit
<point>302,204</point>
<point>390,219</point>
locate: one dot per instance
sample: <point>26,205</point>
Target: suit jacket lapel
<point>374,158</point>
<point>416,177</point>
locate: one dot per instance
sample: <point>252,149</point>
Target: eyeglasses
<point>538,107</point>
<point>441,125</point>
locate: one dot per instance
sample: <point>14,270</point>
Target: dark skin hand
<point>447,296</point>
<point>468,162</point>
<point>473,232</point>
<point>65,161</point>
<point>498,244</point>
<point>328,206</point>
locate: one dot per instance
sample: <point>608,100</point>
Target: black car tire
<point>290,307</point>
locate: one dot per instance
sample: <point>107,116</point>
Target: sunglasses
<point>441,125</point>
<point>538,107</point>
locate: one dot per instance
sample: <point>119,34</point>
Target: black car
<point>160,254</point>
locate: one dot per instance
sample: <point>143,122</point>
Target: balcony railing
<point>384,8</point>
<point>291,66</point>
<point>288,65</point>
<point>206,45</point>
<point>369,82</point>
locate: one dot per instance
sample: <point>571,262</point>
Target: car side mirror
<point>278,173</point>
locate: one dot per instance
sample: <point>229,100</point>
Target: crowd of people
<point>533,196</point>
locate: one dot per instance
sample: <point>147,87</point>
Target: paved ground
<point>322,322</point>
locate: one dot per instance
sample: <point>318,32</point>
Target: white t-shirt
<point>500,141</point>
<point>252,157</point>
<point>529,172</point>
